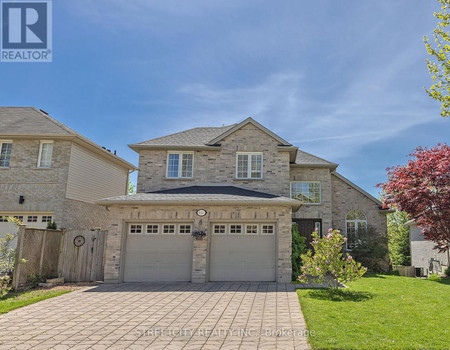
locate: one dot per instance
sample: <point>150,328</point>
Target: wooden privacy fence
<point>83,263</point>
<point>76,255</point>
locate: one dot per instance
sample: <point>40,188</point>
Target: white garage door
<point>243,252</point>
<point>158,253</point>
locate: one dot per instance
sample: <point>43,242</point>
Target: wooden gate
<point>82,257</point>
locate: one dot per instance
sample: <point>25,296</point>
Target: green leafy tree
<point>7,252</point>
<point>298,248</point>
<point>131,188</point>
<point>398,239</point>
<point>328,264</point>
<point>371,249</point>
<point>439,65</point>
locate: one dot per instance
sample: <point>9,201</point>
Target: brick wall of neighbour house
<point>346,198</point>
<point>121,215</point>
<point>220,166</point>
<point>313,211</point>
<point>45,189</point>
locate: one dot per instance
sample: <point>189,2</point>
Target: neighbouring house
<point>49,172</point>
<point>243,186</point>
<point>424,258</point>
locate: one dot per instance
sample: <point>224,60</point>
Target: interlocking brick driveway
<point>161,316</point>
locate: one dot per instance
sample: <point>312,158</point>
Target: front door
<point>306,228</point>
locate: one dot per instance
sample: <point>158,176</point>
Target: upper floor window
<point>307,192</point>
<point>180,164</point>
<point>355,221</point>
<point>5,153</point>
<point>249,166</point>
<point>45,154</point>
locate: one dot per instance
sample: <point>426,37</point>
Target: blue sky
<point>340,79</point>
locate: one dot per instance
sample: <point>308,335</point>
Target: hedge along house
<point>243,186</point>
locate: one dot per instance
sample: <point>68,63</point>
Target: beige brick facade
<point>219,166</point>
<point>126,214</point>
<point>347,198</point>
<point>44,189</point>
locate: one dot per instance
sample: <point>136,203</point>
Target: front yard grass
<point>380,312</point>
<point>10,300</point>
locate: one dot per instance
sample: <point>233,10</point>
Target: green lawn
<point>380,312</point>
<point>13,300</point>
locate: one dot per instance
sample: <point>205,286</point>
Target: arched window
<point>356,220</point>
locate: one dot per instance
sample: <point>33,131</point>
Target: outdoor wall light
<point>21,199</point>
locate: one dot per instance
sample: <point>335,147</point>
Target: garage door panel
<point>158,258</point>
<point>242,257</point>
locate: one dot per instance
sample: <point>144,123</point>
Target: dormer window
<point>180,165</point>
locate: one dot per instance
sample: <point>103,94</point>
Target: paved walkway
<point>161,316</point>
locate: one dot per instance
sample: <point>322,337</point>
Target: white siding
<point>91,177</point>
<point>422,252</point>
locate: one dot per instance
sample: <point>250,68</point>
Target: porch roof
<point>208,194</point>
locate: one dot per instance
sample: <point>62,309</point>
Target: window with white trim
<point>168,229</point>
<point>180,165</point>
<point>251,229</point>
<point>47,218</point>
<point>220,229</point>
<point>355,221</point>
<point>307,192</point>
<point>235,229</point>
<point>135,229</point>
<point>5,153</point>
<point>32,218</point>
<point>184,229</point>
<point>267,229</point>
<point>249,165</point>
<point>152,229</point>
<point>45,154</point>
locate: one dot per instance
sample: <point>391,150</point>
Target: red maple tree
<point>422,190</point>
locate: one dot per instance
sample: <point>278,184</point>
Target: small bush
<point>447,271</point>
<point>371,249</point>
<point>52,226</point>
<point>433,277</point>
<point>298,248</point>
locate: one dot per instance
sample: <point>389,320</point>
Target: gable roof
<point>32,122</point>
<point>208,195</point>
<point>196,137</point>
<point>243,123</point>
<point>359,189</point>
<point>305,159</point>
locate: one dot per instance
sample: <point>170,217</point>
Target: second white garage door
<point>243,252</point>
<point>158,253</point>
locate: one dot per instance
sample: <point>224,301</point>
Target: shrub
<point>371,249</point>
<point>328,264</point>
<point>298,248</point>
<point>433,277</point>
<point>52,226</point>
<point>7,253</point>
<point>398,239</point>
<point>447,271</point>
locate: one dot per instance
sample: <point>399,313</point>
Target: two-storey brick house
<point>49,172</point>
<point>241,184</point>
